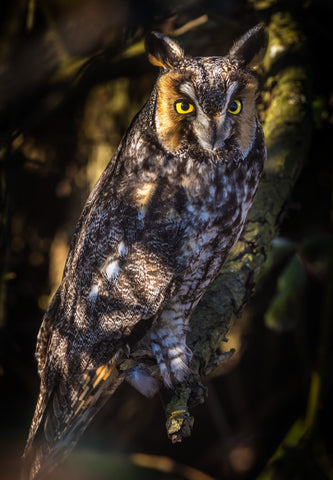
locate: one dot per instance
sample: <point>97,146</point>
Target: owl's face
<point>206,101</point>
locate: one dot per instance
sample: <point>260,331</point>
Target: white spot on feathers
<point>175,351</point>
<point>112,270</point>
<point>93,293</point>
<point>122,249</point>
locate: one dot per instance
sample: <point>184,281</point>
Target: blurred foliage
<point>72,75</point>
<point>311,258</point>
<point>287,305</point>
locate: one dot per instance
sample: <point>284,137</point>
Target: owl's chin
<point>212,147</point>
<point>210,143</point>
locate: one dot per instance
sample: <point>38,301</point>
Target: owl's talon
<point>174,371</point>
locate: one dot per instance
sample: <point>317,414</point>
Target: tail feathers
<point>62,427</point>
<point>41,458</point>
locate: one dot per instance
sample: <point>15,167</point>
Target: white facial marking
<point>201,128</point>
<point>230,93</point>
<point>188,90</point>
<point>203,124</point>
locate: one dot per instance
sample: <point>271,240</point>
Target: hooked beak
<point>212,133</point>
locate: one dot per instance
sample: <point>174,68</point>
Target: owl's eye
<point>184,107</point>
<point>235,107</point>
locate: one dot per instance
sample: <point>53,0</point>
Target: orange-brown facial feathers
<point>170,125</point>
<point>248,121</point>
<point>209,118</point>
<point>244,117</point>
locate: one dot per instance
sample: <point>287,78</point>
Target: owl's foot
<point>173,362</point>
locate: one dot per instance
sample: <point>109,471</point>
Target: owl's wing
<point>119,273</point>
<point>64,417</point>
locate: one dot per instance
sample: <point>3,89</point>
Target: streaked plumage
<point>153,234</point>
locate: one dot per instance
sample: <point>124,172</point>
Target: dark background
<point>67,93</point>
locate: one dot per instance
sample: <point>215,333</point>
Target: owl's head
<point>207,101</point>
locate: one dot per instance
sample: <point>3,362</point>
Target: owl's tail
<point>57,425</point>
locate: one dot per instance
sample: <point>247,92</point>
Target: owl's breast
<point>216,201</point>
<point>211,198</point>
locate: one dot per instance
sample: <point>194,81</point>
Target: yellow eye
<point>184,107</point>
<point>235,107</point>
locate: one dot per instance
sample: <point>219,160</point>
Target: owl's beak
<point>216,133</point>
<point>212,133</point>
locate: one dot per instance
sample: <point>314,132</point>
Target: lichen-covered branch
<point>287,132</point>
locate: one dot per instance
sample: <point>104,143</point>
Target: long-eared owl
<point>154,233</point>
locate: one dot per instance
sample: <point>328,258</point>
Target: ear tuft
<point>162,51</point>
<point>250,49</point>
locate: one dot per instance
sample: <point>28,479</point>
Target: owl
<point>154,233</point>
